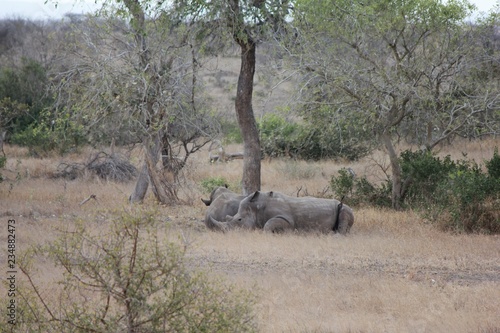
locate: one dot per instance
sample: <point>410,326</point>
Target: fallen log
<point>225,157</point>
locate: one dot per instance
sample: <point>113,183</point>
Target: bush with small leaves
<point>3,161</point>
<point>358,191</point>
<point>278,136</point>
<point>312,139</point>
<point>61,134</point>
<point>126,278</point>
<point>210,184</point>
<point>342,185</point>
<point>457,195</point>
<point>493,165</point>
<point>231,131</point>
<point>421,173</point>
<point>473,201</point>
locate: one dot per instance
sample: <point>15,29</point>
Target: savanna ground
<point>395,271</point>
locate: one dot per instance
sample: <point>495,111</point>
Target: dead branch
<point>92,196</point>
<point>106,166</point>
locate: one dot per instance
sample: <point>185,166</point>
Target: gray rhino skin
<point>222,203</point>
<point>273,211</point>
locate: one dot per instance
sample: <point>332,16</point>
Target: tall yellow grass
<point>395,272</point>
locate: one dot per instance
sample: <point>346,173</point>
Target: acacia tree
<point>133,70</point>
<point>399,64</point>
<point>246,22</point>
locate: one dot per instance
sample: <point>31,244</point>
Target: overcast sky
<point>36,9</point>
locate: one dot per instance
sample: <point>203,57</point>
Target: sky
<point>38,10</point>
<point>43,9</point>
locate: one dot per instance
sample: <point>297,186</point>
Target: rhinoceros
<point>222,203</point>
<point>274,211</point>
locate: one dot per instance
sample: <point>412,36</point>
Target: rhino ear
<point>271,193</point>
<point>255,196</point>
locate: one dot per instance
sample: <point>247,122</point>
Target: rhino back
<point>220,191</point>
<point>306,212</point>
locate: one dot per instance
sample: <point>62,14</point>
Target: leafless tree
<point>133,78</point>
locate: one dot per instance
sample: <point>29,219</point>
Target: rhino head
<point>247,216</point>
<point>222,203</point>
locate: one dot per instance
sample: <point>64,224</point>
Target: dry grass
<point>393,273</point>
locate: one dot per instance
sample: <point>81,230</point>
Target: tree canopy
<point>406,66</point>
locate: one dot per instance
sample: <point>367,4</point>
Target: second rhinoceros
<point>223,202</point>
<point>273,211</point>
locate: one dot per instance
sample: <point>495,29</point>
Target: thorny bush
<point>125,278</point>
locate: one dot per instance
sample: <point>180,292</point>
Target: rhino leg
<point>346,220</point>
<point>278,224</point>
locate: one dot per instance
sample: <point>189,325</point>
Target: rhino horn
<point>206,202</point>
<point>255,196</point>
<point>216,225</point>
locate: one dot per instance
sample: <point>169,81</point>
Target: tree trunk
<point>141,186</point>
<point>246,119</point>
<point>396,171</point>
<point>3,134</point>
<point>151,155</point>
<point>163,189</point>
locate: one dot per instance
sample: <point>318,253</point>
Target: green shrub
<point>358,191</point>
<point>308,140</point>
<point>209,184</point>
<point>126,279</point>
<point>456,194</point>
<point>278,137</point>
<point>231,131</point>
<point>342,185</point>
<point>24,106</point>
<point>493,165</point>
<point>51,133</point>
<point>473,201</point>
<point>25,86</point>
<point>326,142</point>
<point>3,161</point>
<point>421,174</point>
<point>335,133</point>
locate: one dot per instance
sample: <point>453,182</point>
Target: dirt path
<point>367,266</point>
<point>366,282</point>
